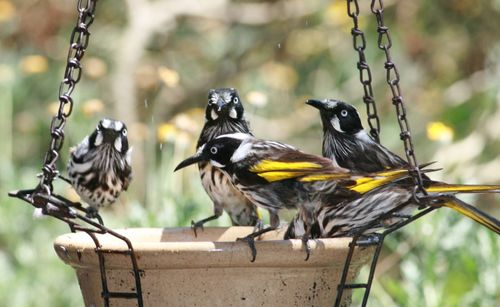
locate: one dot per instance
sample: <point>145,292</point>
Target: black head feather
<point>224,114</point>
<point>338,115</point>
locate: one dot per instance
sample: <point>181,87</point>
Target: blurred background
<point>151,63</point>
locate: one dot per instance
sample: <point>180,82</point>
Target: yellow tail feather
<point>364,184</point>
<point>439,187</point>
<point>473,213</point>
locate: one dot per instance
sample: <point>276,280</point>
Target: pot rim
<point>177,248</point>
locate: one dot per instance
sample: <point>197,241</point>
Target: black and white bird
<point>346,143</point>
<point>99,168</point>
<point>276,176</point>
<point>224,114</point>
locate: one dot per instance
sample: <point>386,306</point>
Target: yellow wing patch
<point>277,176</point>
<point>271,166</point>
<point>278,170</point>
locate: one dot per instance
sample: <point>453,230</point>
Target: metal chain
<point>78,43</point>
<point>365,75</point>
<point>393,79</point>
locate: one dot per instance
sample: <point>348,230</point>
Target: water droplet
<point>279,45</point>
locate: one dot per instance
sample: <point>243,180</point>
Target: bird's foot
<point>307,248</point>
<point>197,225</point>
<point>92,213</point>
<point>251,244</point>
<point>250,239</point>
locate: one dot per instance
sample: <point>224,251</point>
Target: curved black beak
<point>318,104</point>
<point>191,160</point>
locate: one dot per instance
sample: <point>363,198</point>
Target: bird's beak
<point>191,160</point>
<point>109,136</point>
<point>220,104</point>
<point>318,104</point>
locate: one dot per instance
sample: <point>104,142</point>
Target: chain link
<point>365,75</point>
<point>393,80</point>
<point>78,43</point>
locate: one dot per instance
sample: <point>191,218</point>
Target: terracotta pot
<point>178,269</point>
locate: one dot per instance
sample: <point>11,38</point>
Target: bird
<point>277,176</point>
<point>224,114</point>
<point>347,143</point>
<point>99,167</point>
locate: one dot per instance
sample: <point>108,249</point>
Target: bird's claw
<point>92,213</point>
<point>196,225</point>
<point>305,242</point>
<point>251,243</point>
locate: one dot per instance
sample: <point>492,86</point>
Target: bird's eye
<point>213,150</point>
<point>124,132</point>
<point>343,113</point>
<point>236,100</point>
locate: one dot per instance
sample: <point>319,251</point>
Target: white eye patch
<point>233,113</point>
<point>216,164</point>
<point>98,139</point>
<point>118,144</point>
<point>213,115</point>
<point>336,124</point>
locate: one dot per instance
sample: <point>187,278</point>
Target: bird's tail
<point>441,187</point>
<point>473,213</point>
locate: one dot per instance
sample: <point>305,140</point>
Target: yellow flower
<point>7,10</point>
<point>336,14</point>
<point>34,64</point>
<point>92,106</point>
<point>438,131</point>
<point>169,76</point>
<point>166,132</point>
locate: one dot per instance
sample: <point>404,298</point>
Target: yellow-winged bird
<point>224,114</point>
<point>276,176</point>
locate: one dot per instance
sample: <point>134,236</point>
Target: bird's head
<point>338,115</point>
<point>219,152</point>
<point>223,104</point>
<point>111,133</point>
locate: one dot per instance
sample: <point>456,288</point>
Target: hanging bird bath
<point>179,269</point>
